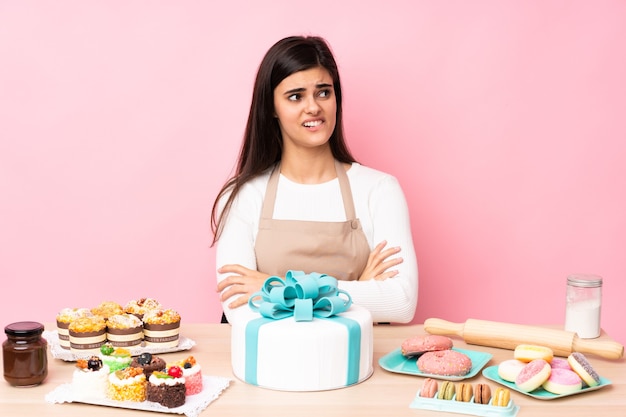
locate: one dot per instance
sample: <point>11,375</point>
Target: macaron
<point>446,391</point>
<point>482,394</point>
<point>501,397</point>
<point>583,368</point>
<point>533,375</point>
<point>445,362</point>
<point>563,381</point>
<point>417,345</point>
<point>527,353</point>
<point>429,389</point>
<point>510,369</point>
<point>464,392</point>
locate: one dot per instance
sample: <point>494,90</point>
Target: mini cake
<point>124,330</point>
<point>193,375</point>
<point>128,384</point>
<point>167,388</point>
<point>294,353</point>
<point>115,358</point>
<point>149,363</point>
<point>161,328</point>
<point>64,318</point>
<point>107,309</point>
<point>142,306</point>
<point>87,335</point>
<point>90,379</point>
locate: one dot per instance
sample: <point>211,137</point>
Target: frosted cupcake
<point>142,306</point>
<point>161,328</point>
<point>90,379</point>
<point>124,330</point>
<point>87,335</point>
<point>64,318</point>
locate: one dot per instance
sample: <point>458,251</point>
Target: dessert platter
<point>194,405</point>
<point>396,362</point>
<point>58,352</point>
<point>434,356</point>
<point>141,325</point>
<point>536,372</point>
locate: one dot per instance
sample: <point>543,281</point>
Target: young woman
<point>300,201</point>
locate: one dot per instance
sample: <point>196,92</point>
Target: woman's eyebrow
<point>301,89</point>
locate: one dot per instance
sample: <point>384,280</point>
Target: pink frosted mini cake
<point>193,375</point>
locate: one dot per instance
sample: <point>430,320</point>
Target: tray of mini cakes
<point>536,372</point>
<point>434,356</point>
<point>141,325</point>
<point>115,379</point>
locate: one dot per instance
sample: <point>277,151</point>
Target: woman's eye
<point>294,97</point>
<point>324,93</point>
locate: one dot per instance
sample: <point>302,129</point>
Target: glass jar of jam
<point>24,354</point>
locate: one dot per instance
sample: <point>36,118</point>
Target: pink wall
<point>504,121</point>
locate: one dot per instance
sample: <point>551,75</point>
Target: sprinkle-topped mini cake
<point>128,384</point>
<point>87,334</point>
<point>64,318</point>
<point>90,379</point>
<point>115,358</point>
<point>161,328</point>
<point>142,306</point>
<point>193,375</point>
<point>149,363</point>
<point>124,330</point>
<point>167,388</point>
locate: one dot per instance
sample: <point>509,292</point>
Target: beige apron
<point>338,249</point>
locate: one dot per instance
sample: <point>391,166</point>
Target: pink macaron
<point>533,375</point>
<point>563,381</point>
<point>429,389</point>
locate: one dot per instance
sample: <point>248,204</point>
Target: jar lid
<point>24,328</point>
<point>585,280</point>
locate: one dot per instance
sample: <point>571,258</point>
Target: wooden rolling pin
<point>508,336</point>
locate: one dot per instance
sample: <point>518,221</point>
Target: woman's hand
<point>378,263</point>
<point>245,282</point>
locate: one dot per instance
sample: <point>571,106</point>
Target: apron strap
<point>267,211</point>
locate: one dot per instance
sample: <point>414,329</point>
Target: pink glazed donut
<point>533,375</point>
<point>445,362</point>
<point>563,381</point>
<point>560,363</point>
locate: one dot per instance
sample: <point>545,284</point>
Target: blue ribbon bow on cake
<point>300,295</point>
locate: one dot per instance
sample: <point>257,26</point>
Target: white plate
<point>67,355</point>
<point>213,386</point>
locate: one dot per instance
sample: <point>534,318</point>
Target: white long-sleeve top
<point>380,206</point>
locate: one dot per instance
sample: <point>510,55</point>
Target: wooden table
<point>384,394</point>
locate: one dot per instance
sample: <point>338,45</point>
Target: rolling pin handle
<point>443,327</point>
<point>608,349</point>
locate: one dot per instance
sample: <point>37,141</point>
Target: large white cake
<point>303,355</point>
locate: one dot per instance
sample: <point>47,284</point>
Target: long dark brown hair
<point>262,141</point>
